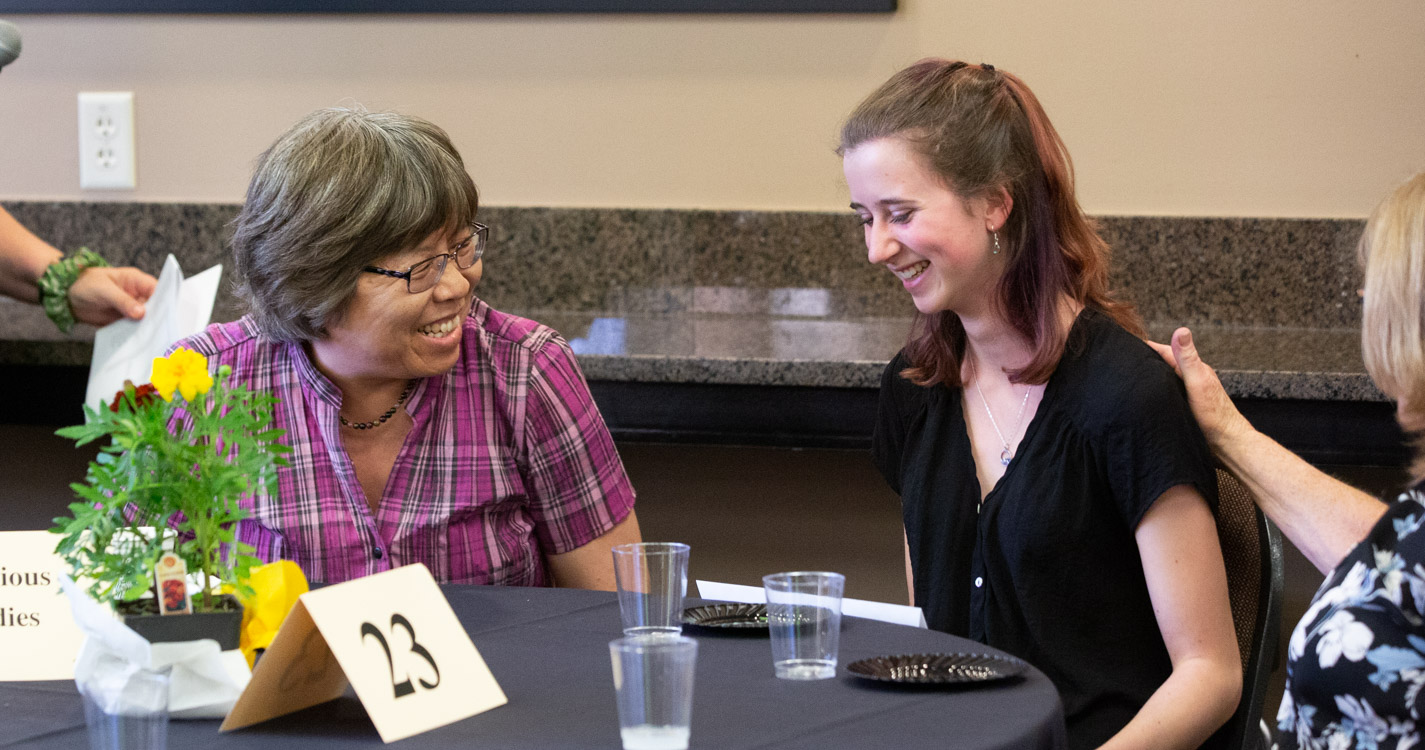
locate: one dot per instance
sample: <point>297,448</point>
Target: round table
<point>548,648</point>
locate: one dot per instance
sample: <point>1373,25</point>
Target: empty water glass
<point>652,580</point>
<point>804,616</point>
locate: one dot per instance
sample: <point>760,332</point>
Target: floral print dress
<point>1356,661</point>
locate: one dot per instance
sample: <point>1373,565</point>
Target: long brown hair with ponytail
<point>981,129</point>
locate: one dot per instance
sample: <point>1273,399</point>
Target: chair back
<point>1252,551</point>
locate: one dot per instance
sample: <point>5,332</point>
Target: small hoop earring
<point>996,236</point>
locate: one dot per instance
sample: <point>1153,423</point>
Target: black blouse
<point>1048,569</point>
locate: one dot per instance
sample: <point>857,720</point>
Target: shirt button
<point>380,553</point>
<point>978,580</point>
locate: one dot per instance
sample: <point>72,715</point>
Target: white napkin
<point>898,614</point>
<point>125,349</point>
<point>204,682</point>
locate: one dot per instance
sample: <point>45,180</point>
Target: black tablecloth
<point>548,648</point>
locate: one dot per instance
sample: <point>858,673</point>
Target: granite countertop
<point>1269,363</point>
<point>779,349</point>
<point>787,298</point>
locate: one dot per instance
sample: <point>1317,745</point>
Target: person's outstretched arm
<point>99,296</point>
<point>23,257</point>
<point>1323,517</point>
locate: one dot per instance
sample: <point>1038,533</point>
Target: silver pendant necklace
<point>1004,455</point>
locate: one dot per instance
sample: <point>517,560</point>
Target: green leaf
<point>186,468</point>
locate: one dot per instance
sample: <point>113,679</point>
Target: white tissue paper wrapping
<point>204,682</point>
<point>125,349</point>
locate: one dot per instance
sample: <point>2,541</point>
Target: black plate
<point>737,616</point>
<point>937,669</point>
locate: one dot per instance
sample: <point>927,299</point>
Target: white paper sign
<point>898,614</point>
<point>125,349</point>
<point>37,632</point>
<point>394,636</point>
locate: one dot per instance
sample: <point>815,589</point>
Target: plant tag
<point>394,636</point>
<point>37,632</point>
<point>172,576</point>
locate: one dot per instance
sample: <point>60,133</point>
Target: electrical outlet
<point>106,140</point>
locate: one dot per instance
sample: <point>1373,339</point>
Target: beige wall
<point>1218,107</point>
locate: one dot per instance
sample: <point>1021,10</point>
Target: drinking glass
<point>128,712</point>
<point>804,616</point>
<point>652,580</point>
<point>653,678</point>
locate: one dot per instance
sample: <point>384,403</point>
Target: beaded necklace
<point>377,422</point>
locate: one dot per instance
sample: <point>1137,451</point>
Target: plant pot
<point>223,626</point>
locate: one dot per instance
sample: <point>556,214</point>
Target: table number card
<point>37,632</point>
<point>394,637</point>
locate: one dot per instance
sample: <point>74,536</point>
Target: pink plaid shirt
<point>508,460</point>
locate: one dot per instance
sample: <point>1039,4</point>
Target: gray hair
<point>341,189</point>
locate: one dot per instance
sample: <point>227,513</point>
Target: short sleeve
<point>1151,441</point>
<point>578,487</point>
<point>888,435</point>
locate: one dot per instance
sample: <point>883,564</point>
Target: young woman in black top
<point>1056,492</point>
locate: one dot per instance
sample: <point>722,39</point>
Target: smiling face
<point>938,245</point>
<point>387,332</point>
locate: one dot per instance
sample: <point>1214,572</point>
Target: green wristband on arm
<point>55,282</point>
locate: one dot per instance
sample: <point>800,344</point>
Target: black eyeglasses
<point>424,275</point>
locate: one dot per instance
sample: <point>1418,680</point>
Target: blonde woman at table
<point>1056,493</point>
<point>1356,660</point>
<point>425,426</point>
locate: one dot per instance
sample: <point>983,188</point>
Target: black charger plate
<point>937,669</point>
<point>729,616</point>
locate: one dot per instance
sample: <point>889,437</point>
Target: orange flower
<point>183,370</point>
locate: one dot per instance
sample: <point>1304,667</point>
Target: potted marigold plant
<point>183,451</point>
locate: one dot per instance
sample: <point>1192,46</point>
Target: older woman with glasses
<point>425,426</point>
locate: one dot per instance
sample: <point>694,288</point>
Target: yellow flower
<point>276,587</point>
<point>184,370</point>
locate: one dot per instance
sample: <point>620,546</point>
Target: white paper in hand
<point>125,349</point>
